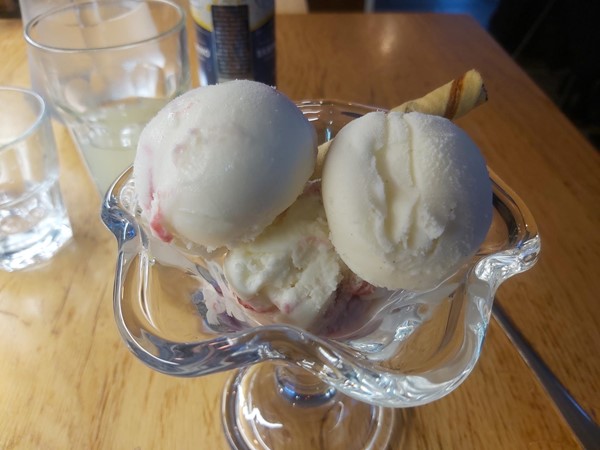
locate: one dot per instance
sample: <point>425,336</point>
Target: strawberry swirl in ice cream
<point>220,163</point>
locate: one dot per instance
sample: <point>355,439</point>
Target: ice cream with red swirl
<point>218,164</point>
<point>291,267</point>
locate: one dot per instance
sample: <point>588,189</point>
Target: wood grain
<point>69,382</point>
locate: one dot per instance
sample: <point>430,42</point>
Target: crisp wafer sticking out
<point>452,100</point>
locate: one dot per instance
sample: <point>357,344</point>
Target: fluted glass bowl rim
<point>287,343</point>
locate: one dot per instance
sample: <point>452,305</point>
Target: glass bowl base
<point>259,412</point>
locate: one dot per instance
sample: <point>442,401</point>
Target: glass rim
<point>176,28</point>
<point>35,123</point>
<point>197,351</point>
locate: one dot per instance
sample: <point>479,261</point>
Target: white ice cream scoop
<point>219,163</point>
<point>291,270</point>
<point>407,197</point>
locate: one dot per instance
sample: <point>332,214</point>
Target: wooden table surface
<point>67,381</point>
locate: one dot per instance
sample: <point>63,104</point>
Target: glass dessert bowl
<point>337,383</point>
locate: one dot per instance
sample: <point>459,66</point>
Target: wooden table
<point>67,381</point>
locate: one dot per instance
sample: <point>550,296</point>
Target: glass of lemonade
<point>108,67</point>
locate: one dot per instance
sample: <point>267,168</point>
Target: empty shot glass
<point>34,223</point>
<point>107,68</point>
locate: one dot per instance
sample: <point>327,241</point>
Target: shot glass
<point>34,223</point>
<point>107,68</point>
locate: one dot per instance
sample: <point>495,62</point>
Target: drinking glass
<point>338,386</point>
<point>107,68</point>
<point>34,224</point>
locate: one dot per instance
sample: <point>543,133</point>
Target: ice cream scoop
<point>407,198</point>
<point>291,270</point>
<point>218,164</point>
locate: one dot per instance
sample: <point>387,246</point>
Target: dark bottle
<point>235,40</point>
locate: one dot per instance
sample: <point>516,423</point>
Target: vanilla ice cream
<point>220,163</point>
<point>407,197</point>
<point>291,270</point>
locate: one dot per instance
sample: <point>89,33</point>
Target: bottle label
<point>235,40</point>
